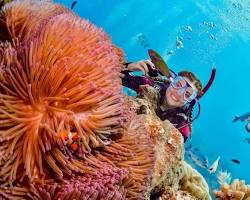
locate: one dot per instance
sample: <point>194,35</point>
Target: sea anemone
<point>133,151</point>
<point>60,91</point>
<point>64,130</point>
<point>23,19</point>
<point>121,170</point>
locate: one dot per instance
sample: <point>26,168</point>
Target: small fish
<point>248,127</point>
<point>247,140</point>
<point>242,117</point>
<point>159,63</point>
<point>214,166</point>
<point>179,43</point>
<point>209,24</point>
<point>188,28</point>
<point>170,52</point>
<point>142,40</point>
<point>203,163</point>
<point>236,161</point>
<point>213,37</point>
<point>196,157</point>
<point>73,4</point>
<point>237,6</point>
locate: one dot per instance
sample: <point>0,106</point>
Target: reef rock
<point>168,142</point>
<point>237,190</point>
<point>194,183</point>
<point>172,194</point>
<point>66,129</point>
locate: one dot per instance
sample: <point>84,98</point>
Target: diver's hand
<point>142,65</point>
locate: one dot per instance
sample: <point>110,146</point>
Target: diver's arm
<point>133,82</point>
<point>145,66</point>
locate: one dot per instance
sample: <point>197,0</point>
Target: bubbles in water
<point>235,15</point>
<point>171,52</point>
<point>179,42</point>
<point>208,24</point>
<point>142,40</point>
<point>237,5</point>
<point>213,37</point>
<point>188,28</point>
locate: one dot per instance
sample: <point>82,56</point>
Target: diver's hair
<point>192,78</point>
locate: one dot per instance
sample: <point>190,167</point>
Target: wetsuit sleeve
<point>133,82</point>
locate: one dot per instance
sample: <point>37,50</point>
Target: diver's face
<point>175,97</point>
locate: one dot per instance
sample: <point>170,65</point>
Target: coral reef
<point>170,194</point>
<point>50,92</point>
<point>61,110</point>
<point>237,190</point>
<point>224,177</point>
<point>193,183</point>
<point>168,142</point>
<point>66,129</point>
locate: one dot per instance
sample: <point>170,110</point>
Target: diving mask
<point>183,86</point>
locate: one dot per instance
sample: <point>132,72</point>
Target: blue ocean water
<point>193,35</point>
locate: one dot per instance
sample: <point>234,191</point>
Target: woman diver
<point>177,94</point>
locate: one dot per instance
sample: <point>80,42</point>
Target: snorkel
<point>204,90</point>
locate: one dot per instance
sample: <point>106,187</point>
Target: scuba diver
<point>178,93</point>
